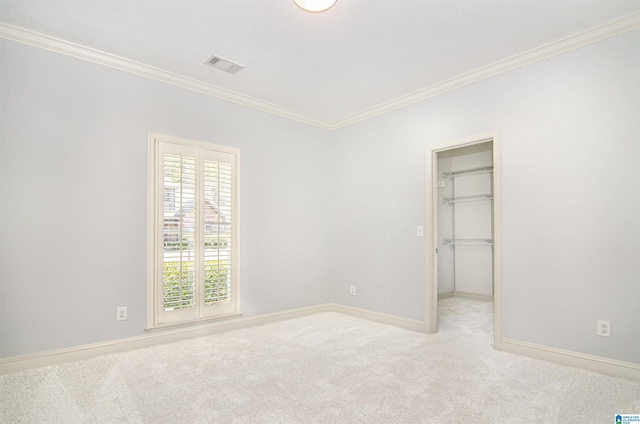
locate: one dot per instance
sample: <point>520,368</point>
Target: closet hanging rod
<point>467,171</point>
<point>451,200</point>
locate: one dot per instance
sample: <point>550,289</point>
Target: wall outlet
<point>604,328</point>
<point>353,290</point>
<point>121,313</point>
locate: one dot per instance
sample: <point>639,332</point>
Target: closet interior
<point>465,222</point>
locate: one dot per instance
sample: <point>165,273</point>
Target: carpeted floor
<point>324,368</point>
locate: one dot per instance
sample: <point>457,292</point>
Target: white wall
<point>570,149</point>
<point>445,228</point>
<point>73,188</point>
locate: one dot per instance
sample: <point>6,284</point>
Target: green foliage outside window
<point>179,284</point>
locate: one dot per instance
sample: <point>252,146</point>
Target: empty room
<point>299,211</point>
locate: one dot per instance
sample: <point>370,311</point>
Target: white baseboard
<point>409,324</point>
<point>466,295</point>
<point>52,357</point>
<point>58,356</point>
<point>474,296</point>
<point>574,359</point>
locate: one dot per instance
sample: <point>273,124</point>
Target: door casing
<point>431,229</point>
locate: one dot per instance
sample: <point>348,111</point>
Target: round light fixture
<point>314,6</point>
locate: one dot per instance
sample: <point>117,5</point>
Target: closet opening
<point>463,225</point>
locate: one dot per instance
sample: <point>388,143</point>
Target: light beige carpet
<point>325,368</point>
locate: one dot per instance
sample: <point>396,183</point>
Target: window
<point>193,231</point>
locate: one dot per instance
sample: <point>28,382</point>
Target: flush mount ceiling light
<point>314,6</point>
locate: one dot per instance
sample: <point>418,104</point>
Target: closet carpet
<point>324,368</point>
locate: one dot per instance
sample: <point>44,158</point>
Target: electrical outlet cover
<point>604,328</point>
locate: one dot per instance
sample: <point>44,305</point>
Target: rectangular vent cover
<point>224,64</point>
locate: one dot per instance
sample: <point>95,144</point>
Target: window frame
<point>156,316</point>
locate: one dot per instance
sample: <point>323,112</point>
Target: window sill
<point>195,323</point>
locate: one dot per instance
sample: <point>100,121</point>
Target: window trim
<point>153,196</point>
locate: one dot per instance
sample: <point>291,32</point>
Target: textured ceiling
<point>329,66</point>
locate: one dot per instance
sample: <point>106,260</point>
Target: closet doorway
<point>463,224</point>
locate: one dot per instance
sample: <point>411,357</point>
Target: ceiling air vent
<point>224,64</point>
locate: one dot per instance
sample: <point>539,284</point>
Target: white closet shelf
<point>469,242</point>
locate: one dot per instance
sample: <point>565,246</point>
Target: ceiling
<point>331,66</point>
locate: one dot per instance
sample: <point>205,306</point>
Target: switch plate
<point>352,290</point>
<point>420,231</point>
<point>121,313</point>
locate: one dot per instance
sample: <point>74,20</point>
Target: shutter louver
<point>179,232</point>
<point>217,232</point>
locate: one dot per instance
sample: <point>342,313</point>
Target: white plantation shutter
<point>179,239</point>
<point>196,222</point>
<point>217,232</point>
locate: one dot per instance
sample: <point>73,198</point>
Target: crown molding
<point>593,35</point>
<point>599,33</point>
<point>68,48</point>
